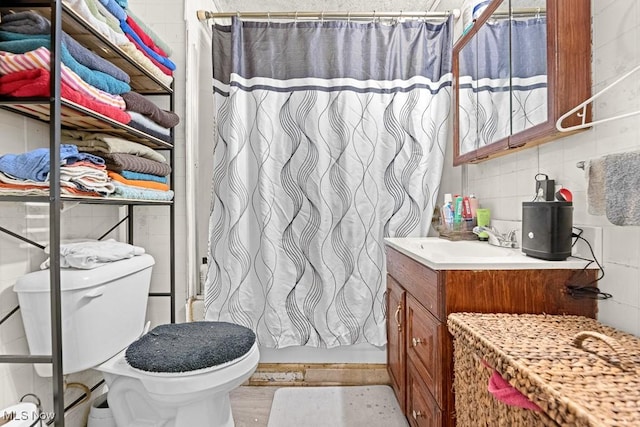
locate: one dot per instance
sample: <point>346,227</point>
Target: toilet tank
<point>103,310</point>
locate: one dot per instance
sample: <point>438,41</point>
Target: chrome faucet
<point>496,238</point>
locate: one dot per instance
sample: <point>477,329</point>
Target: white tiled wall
<point>151,224</point>
<point>503,183</point>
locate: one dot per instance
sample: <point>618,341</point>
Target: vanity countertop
<point>441,254</point>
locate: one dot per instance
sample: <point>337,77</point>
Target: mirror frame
<point>568,78</point>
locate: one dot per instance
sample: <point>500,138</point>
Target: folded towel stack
<point>28,173</point>
<point>116,22</point>
<point>31,23</point>
<point>135,170</point>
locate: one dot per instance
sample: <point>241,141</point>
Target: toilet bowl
<point>103,313</point>
<point>199,398</point>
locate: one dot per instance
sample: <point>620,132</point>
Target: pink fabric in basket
<point>504,392</point>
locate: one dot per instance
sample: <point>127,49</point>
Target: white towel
<point>87,178</point>
<point>92,254</point>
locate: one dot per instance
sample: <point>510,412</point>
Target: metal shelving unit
<point>59,112</point>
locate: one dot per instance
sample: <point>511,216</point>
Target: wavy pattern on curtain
<point>330,137</point>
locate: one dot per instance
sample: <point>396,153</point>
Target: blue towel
<point>34,165</point>
<point>143,176</point>
<point>128,192</point>
<point>161,59</point>
<point>18,43</point>
<point>115,9</point>
<point>29,22</point>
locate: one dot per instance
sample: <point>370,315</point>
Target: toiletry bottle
<point>484,217</point>
<point>448,210</point>
<point>473,204</point>
<point>466,213</point>
<point>457,216</point>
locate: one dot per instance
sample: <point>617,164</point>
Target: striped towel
<point>23,43</point>
<point>40,59</point>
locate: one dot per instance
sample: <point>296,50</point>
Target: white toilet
<point>103,313</point>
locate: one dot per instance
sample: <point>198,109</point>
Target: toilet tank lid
<point>74,279</point>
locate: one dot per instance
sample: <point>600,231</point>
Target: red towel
<point>162,68</point>
<point>504,392</point>
<point>145,37</point>
<point>29,83</point>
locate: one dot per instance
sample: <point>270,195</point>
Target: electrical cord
<point>587,290</point>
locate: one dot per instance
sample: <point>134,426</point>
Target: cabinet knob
<point>416,414</point>
<point>416,341</point>
<point>397,317</point>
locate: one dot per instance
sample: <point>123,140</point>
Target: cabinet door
<point>424,334</point>
<point>395,338</point>
<point>422,409</point>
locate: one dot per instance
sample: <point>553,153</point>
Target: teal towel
<point>143,176</point>
<point>19,43</point>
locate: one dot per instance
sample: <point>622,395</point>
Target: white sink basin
<point>441,248</point>
<point>441,254</point>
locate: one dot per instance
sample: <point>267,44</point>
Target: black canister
<point>546,229</point>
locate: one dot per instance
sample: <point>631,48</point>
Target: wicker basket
<point>578,371</point>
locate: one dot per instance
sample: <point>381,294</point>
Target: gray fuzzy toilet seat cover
<point>184,347</point>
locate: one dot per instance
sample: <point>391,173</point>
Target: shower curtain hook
<point>295,19</point>
<point>538,14</point>
<point>349,16</point>
<point>374,16</point>
<point>269,18</point>
<point>322,17</point>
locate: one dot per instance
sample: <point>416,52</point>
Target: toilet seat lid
<point>187,347</point>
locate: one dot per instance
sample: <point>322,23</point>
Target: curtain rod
<point>203,15</point>
<point>526,11</point>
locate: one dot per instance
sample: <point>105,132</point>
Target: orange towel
<point>138,183</point>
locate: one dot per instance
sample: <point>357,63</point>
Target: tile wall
<point>502,184</point>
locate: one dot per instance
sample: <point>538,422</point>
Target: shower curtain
<point>329,137</point>
<point>503,81</point>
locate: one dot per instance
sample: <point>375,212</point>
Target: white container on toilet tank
<point>103,311</point>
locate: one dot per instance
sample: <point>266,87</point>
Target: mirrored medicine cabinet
<point>521,66</point>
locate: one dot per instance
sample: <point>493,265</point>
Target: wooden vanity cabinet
<point>420,348</point>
